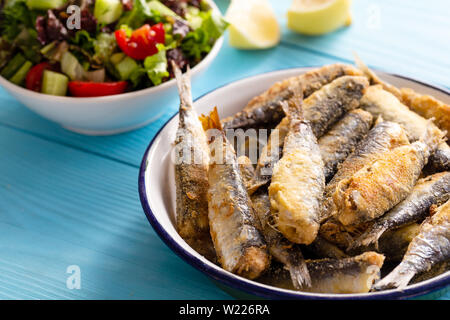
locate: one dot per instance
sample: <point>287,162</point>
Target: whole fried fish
<point>327,105</point>
<point>430,247</point>
<point>239,245</point>
<point>191,173</point>
<point>342,139</point>
<point>428,107</point>
<point>424,105</point>
<point>380,185</point>
<point>266,107</point>
<point>434,189</point>
<point>339,276</point>
<point>348,275</point>
<point>380,102</point>
<point>298,181</point>
<point>322,109</point>
<point>384,136</point>
<point>284,251</point>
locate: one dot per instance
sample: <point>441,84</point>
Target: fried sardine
<point>266,107</point>
<point>239,245</point>
<point>380,102</point>
<point>298,181</point>
<point>382,184</point>
<point>284,251</point>
<point>191,173</point>
<point>342,139</point>
<point>430,247</point>
<point>321,109</point>
<point>431,190</point>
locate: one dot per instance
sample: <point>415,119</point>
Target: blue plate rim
<point>254,289</point>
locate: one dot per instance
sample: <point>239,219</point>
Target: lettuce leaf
<point>14,17</point>
<point>200,41</point>
<point>156,66</point>
<point>136,17</point>
<point>104,46</point>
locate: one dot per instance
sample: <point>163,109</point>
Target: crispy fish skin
<point>323,108</point>
<point>348,275</point>
<point>434,189</point>
<point>342,138</point>
<point>270,154</point>
<point>266,108</point>
<point>379,186</point>
<point>394,243</point>
<point>191,174</point>
<point>430,247</point>
<point>379,102</point>
<point>327,105</point>
<point>428,107</point>
<point>384,136</point>
<point>298,181</point>
<point>239,245</point>
<point>440,159</point>
<point>247,170</point>
<point>340,235</point>
<point>289,254</point>
<point>424,105</point>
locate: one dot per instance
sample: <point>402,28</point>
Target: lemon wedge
<point>253,24</point>
<point>315,17</point>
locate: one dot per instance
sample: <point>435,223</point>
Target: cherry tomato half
<point>142,42</point>
<point>96,89</point>
<point>33,80</point>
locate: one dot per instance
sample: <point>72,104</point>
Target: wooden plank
<point>61,207</point>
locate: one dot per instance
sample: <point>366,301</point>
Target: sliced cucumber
<point>13,65</point>
<point>48,47</point>
<point>20,75</point>
<point>162,9</point>
<point>44,4</point>
<point>108,11</point>
<point>117,57</point>
<point>71,66</point>
<point>54,83</point>
<point>126,67</point>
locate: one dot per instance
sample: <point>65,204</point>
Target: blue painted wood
<point>75,208</point>
<point>67,199</point>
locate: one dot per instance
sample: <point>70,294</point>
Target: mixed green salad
<point>87,48</point>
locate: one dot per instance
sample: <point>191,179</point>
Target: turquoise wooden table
<point>70,200</point>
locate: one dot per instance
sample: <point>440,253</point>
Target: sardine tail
<point>184,86</point>
<point>300,275</point>
<point>398,278</point>
<point>369,237</point>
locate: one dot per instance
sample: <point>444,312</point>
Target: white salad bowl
<point>108,114</point>
<point>157,192</point>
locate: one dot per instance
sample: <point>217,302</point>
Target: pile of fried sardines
<point>352,186</point>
